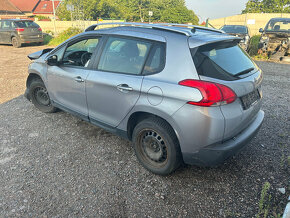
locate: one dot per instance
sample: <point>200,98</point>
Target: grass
<point>50,40</point>
<point>264,202</point>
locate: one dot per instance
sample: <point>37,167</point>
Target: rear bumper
<point>216,154</point>
<point>31,39</point>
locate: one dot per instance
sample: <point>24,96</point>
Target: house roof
<point>6,7</point>
<point>25,5</point>
<point>46,7</point>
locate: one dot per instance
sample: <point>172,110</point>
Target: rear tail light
<point>39,29</point>
<point>213,94</point>
<point>19,29</point>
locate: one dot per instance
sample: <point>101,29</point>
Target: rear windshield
<point>235,29</point>
<point>222,60</point>
<point>24,24</point>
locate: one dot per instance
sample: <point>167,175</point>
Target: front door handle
<point>79,79</point>
<point>124,88</point>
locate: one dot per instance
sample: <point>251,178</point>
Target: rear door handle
<point>79,79</point>
<point>124,88</point>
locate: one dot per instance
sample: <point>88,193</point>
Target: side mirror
<point>261,30</point>
<point>52,60</point>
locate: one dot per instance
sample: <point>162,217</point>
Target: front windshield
<point>235,29</point>
<point>281,26</point>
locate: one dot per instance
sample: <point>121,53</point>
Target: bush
<point>65,35</point>
<point>253,50</point>
<point>41,17</point>
<point>47,38</point>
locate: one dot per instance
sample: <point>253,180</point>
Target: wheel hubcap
<point>153,147</point>
<point>41,96</point>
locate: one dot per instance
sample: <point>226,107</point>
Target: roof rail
<point>160,26</point>
<point>193,27</point>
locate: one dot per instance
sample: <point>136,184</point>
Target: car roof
<point>236,25</point>
<point>197,35</point>
<point>280,19</point>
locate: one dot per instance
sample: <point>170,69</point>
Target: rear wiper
<point>244,71</point>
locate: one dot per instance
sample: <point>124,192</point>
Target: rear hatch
<point>28,29</point>
<point>224,62</point>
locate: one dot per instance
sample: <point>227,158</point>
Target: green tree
<point>267,6</point>
<point>173,11</point>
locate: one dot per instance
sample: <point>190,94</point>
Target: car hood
<point>40,54</point>
<point>238,34</point>
<point>277,34</point>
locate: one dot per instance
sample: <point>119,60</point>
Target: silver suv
<point>182,94</point>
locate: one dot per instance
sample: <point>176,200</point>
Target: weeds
<point>253,50</point>
<point>64,36</point>
<point>264,202</point>
<point>47,38</point>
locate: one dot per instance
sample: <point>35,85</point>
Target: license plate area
<point>250,99</point>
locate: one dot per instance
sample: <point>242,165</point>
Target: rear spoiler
<point>38,54</point>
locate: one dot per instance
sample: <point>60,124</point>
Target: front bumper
<point>216,154</point>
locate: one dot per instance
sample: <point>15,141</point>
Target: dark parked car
<point>240,31</point>
<point>275,39</point>
<point>18,32</point>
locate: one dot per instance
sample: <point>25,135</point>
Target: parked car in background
<point>240,31</point>
<point>180,94</point>
<point>275,39</point>
<point>18,32</point>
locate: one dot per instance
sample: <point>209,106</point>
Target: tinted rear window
<point>24,24</point>
<point>221,60</point>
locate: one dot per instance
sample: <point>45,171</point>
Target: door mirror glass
<point>52,60</point>
<point>261,30</point>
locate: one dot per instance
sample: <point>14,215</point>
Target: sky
<point>216,8</point>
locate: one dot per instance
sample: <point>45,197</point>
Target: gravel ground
<point>57,165</point>
<point>13,70</point>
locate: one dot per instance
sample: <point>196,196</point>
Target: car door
<point>114,87</point>
<point>67,81</point>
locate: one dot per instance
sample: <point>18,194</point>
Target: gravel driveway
<point>57,165</point>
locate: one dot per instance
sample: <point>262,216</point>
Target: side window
<point>13,25</point>
<point>156,60</point>
<point>80,53</point>
<point>122,55</point>
<point>6,24</point>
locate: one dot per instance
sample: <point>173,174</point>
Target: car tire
<point>16,42</point>
<point>156,146</point>
<point>40,98</point>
